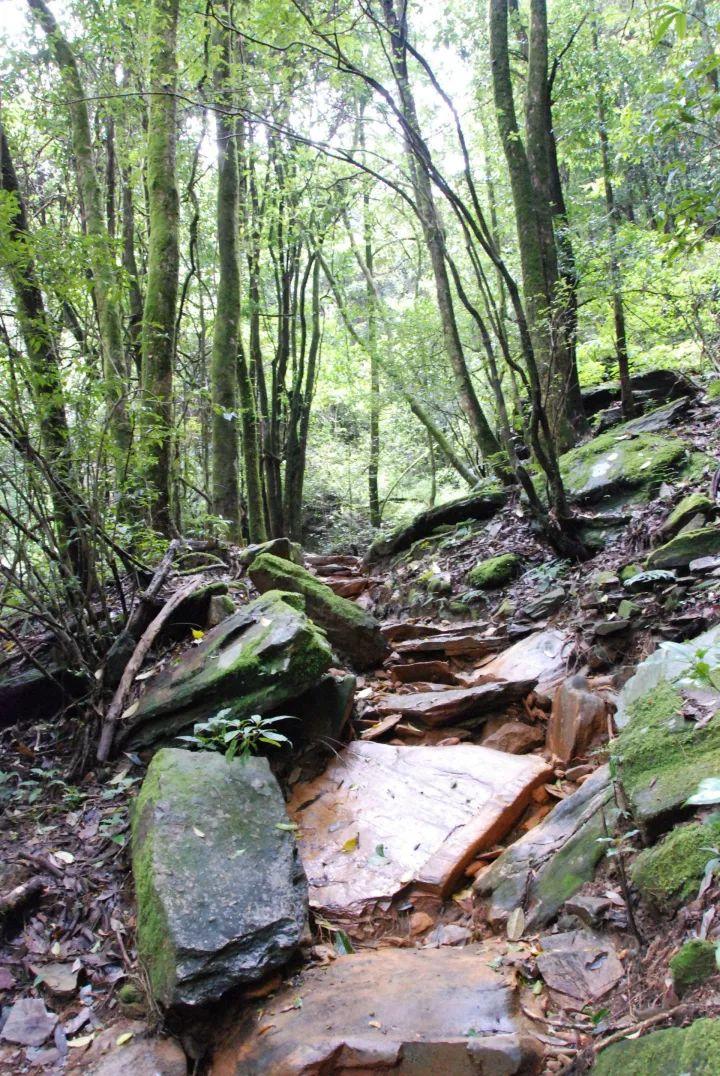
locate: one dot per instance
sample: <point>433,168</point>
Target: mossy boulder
<point>221,894</point>
<point>354,633</point>
<point>690,506</point>
<point>619,466</point>
<point>686,547</point>
<point>660,756</point>
<point>256,660</point>
<point>279,547</point>
<point>479,505</point>
<point>674,1051</point>
<point>671,871</point>
<point>494,571</point>
<point>693,964</point>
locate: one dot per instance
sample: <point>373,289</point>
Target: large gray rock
<point>253,662</point>
<point>552,861</point>
<point>221,893</point>
<point>353,632</point>
<point>476,506</point>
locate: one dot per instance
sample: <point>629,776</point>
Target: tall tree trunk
<point>372,340</point>
<point>45,378</point>
<point>158,333</point>
<point>104,275</point>
<point>226,342</point>
<point>529,171</point>
<point>621,349</point>
<point>417,152</point>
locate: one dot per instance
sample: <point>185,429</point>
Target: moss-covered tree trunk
<point>158,331</point>
<point>226,343</point>
<point>529,171</point>
<point>106,288</point>
<point>45,379</point>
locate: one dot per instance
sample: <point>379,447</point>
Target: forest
<point>359,536</point>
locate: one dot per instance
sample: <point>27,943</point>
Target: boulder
<point>435,708</point>
<point>403,1011</point>
<point>578,716</point>
<point>515,737</point>
<point>690,506</point>
<point>221,894</point>
<point>670,872</point>
<point>382,818</point>
<point>545,604</point>
<point>253,662</point>
<point>693,963</point>
<point>477,506</point>
<point>618,466</point>
<point>650,386</point>
<point>674,1051</point>
<point>278,547</point>
<point>323,712</point>
<point>544,655</point>
<point>686,547</point>
<point>660,755</point>
<point>494,571</point>
<point>547,865</point>
<point>354,633</point>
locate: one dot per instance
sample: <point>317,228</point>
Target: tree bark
<point>105,282</point>
<point>158,333</point>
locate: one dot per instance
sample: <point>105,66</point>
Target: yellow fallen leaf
<point>374,1023</point>
<point>197,634</point>
<point>83,1040</point>
<point>350,844</point>
<point>130,710</point>
<point>122,1039</point>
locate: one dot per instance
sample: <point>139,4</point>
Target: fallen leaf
<point>83,1040</point>
<point>198,634</point>
<point>59,978</point>
<point>64,857</point>
<point>515,925</point>
<point>130,710</point>
<point>350,844</point>
<point>122,1039</point>
<point>198,832</point>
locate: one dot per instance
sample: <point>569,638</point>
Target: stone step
<point>454,704</point>
<point>382,818</point>
<point>423,1012</point>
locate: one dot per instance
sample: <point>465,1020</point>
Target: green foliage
<point>233,736</point>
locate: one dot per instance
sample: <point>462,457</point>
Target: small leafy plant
<point>236,735</point>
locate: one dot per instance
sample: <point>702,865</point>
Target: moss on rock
<point>693,964</point>
<point>686,547</point>
<point>686,509</point>
<point>615,463</point>
<point>671,871</point>
<point>494,571</point>
<point>674,1051</point>
<point>349,628</point>
<point>661,757</point>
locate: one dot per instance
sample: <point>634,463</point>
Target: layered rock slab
<point>354,633</point>
<point>418,1012</point>
<point>546,866</point>
<point>220,890</point>
<point>382,818</point>
<point>256,660</point>
<point>542,656</point>
<point>435,708</point>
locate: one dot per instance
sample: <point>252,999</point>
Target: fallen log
<point>18,896</point>
<point>477,506</point>
<point>134,665</point>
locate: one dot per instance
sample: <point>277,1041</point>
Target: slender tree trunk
<point>226,341</point>
<point>158,335</point>
<point>44,373</point>
<point>434,237</point>
<point>372,340</point>
<point>621,349</point>
<point>105,282</point>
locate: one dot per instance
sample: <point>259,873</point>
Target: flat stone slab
<point>542,656</point>
<point>422,1012</point>
<point>220,890</point>
<point>454,704</point>
<point>382,817</point>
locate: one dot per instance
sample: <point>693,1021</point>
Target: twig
<point>635,1029</point>
<point>134,665</point>
<point>19,896</point>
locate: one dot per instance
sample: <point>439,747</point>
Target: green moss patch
<point>494,571</point>
<point>671,871</point>
<point>616,463</point>
<point>687,508</point>
<point>674,1051</point>
<point>686,547</point>
<point>660,757</point>
<point>693,964</point>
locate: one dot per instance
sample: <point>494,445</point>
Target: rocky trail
<point>486,842</point>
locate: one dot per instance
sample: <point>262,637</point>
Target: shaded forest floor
<point>73,943</point>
